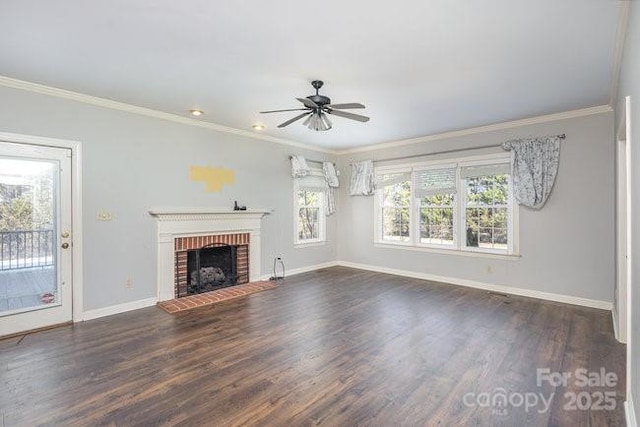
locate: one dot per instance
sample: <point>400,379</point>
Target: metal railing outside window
<point>26,249</point>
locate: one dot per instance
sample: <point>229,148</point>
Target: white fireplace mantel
<point>188,222</point>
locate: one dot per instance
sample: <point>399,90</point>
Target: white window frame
<point>379,237</point>
<point>415,218</point>
<point>459,246</point>
<point>322,218</point>
<point>511,212</point>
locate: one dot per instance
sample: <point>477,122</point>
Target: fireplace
<point>211,267</point>
<point>182,230</point>
<point>210,262</point>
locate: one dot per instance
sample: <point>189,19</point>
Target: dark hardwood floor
<point>335,347</point>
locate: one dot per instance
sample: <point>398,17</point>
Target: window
<point>395,206</point>
<point>464,205</point>
<point>309,209</point>
<point>487,209</point>
<point>434,190</point>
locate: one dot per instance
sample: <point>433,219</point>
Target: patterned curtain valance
<point>534,164</point>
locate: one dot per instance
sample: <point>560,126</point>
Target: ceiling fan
<point>317,108</point>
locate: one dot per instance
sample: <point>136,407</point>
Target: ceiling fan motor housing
<point>321,100</point>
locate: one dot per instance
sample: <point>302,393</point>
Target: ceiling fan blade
<point>288,122</point>
<point>307,102</point>
<point>279,111</point>
<point>346,106</point>
<point>348,115</point>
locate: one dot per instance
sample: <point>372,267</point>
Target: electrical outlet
<point>128,284</point>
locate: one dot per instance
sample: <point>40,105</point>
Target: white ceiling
<point>420,66</point>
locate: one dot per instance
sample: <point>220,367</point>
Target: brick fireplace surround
<point>181,229</point>
<point>185,244</point>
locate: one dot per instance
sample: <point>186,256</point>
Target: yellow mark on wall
<point>215,178</point>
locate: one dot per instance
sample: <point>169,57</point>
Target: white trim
<point>118,308</point>
<point>306,269</point>
<point>482,129</point>
<point>194,214</point>
<point>566,299</point>
<point>452,251</point>
<point>310,244</point>
<point>76,208</point>
<point>459,159</point>
<point>622,239</point>
<point>134,109</point>
<point>631,307</point>
<point>322,217</point>
<point>121,106</point>
<point>618,49</point>
<point>614,317</point>
<point>630,412</point>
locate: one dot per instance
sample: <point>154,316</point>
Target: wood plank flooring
<point>335,347</point>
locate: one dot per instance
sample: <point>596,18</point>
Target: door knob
<point>65,234</point>
<point>65,245</point>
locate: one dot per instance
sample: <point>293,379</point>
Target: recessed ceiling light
<point>196,112</point>
<point>258,127</point>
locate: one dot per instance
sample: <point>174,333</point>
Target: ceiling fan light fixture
<point>307,121</point>
<point>317,121</point>
<point>326,121</point>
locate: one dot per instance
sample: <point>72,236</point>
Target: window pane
<point>436,226</point>
<point>396,199</point>
<point>486,212</point>
<point>308,198</point>
<point>436,219</point>
<point>308,223</point>
<point>397,195</point>
<point>487,190</point>
<point>395,224</point>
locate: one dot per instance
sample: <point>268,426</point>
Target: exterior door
<point>35,237</point>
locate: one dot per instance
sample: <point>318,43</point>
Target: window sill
<point>476,254</point>
<point>309,244</point>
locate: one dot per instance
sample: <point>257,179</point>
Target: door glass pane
<point>28,236</point>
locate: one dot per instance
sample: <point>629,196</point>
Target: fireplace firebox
<point>211,267</point>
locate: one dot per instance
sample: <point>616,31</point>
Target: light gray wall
<point>630,86</point>
<point>133,163</point>
<point>567,247</point>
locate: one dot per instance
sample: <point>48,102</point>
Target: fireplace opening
<point>211,267</point>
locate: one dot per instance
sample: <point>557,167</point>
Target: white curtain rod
<point>455,150</point>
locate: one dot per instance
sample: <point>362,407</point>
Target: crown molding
<point>148,112</point>
<point>143,111</point>
<point>481,129</point>
<point>618,50</point>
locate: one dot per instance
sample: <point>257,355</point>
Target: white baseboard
<point>119,308</point>
<point>306,269</point>
<point>630,412</point>
<point>614,318</point>
<point>567,299</point>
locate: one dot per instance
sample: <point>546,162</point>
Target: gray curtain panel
<point>362,180</point>
<point>534,164</point>
<point>331,178</point>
